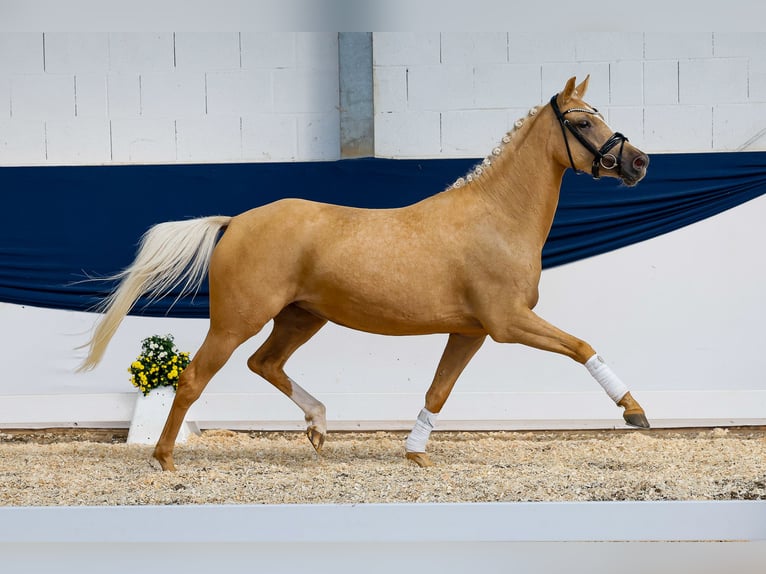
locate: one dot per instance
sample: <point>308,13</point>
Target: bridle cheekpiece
<point>601,156</point>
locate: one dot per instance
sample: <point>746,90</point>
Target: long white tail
<point>170,254</point>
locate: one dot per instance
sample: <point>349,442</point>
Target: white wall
<point>100,98</point>
<point>453,94</point>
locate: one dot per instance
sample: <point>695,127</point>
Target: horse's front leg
<point>527,328</point>
<point>458,352</point>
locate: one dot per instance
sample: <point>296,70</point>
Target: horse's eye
<point>583,124</point>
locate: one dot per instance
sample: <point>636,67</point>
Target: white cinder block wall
<point>454,94</point>
<point>101,98</point>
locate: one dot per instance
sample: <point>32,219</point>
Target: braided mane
<point>486,164</point>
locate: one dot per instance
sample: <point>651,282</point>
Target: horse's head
<point>589,144</point>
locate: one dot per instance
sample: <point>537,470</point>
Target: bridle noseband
<point>601,157</point>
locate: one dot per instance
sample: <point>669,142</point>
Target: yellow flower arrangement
<point>159,364</point>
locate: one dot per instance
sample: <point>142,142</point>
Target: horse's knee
<point>186,393</point>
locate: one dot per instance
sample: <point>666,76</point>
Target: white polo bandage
<point>416,441</point>
<point>605,377</point>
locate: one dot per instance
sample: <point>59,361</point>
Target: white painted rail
<point>625,537</point>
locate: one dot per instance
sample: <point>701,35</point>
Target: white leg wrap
<point>416,441</point>
<point>611,383</point>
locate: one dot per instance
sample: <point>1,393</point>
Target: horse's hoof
<point>316,439</point>
<point>166,463</point>
<point>636,420</point>
<point>634,414</point>
<point>420,458</point>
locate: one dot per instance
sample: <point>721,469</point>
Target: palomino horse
<point>466,262</point>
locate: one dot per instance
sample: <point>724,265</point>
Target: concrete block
<point>305,91</point>
<point>472,133</point>
<point>739,127</point>
<point>440,87</point>
<point>678,128</point>
<point>207,51</point>
<point>141,52</point>
<point>714,81</point>
<point>318,136</point>
<point>78,141</point>
<point>22,142</point>
<point>757,77</point>
<point>76,52</point>
<point>660,82</point>
<point>739,44</point>
<point>317,50</point>
<point>406,48</point>
<point>408,134</point>
<point>269,137</point>
<point>173,95</point>
<point>555,76</point>
<point>5,97</point>
<point>239,93</point>
<point>626,83</point>
<point>506,85</point>
<point>209,139</point>
<point>533,47</point>
<point>628,120</point>
<point>21,52</point>
<point>472,48</point>
<point>124,95</point>
<point>268,50</point>
<point>90,95</point>
<point>609,46</point>
<point>677,45</point>
<point>390,88</point>
<point>143,140</point>
<point>751,46</point>
<point>42,96</point>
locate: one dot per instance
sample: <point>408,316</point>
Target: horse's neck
<point>523,183</point>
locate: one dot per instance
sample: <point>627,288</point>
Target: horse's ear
<point>582,88</point>
<point>566,94</point>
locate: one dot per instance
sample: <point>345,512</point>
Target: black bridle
<point>601,157</point>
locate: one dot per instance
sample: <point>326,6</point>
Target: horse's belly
<point>394,320</point>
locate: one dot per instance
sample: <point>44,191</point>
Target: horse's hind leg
<point>211,356</point>
<point>292,328</point>
<point>458,352</point>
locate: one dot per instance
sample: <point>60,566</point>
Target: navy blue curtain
<point>59,225</point>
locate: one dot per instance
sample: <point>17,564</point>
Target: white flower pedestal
<point>149,417</point>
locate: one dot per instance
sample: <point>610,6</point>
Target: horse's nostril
<point>640,162</point>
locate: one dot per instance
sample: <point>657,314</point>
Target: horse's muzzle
<point>634,167</point>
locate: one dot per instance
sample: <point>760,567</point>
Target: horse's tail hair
<point>171,254</point>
